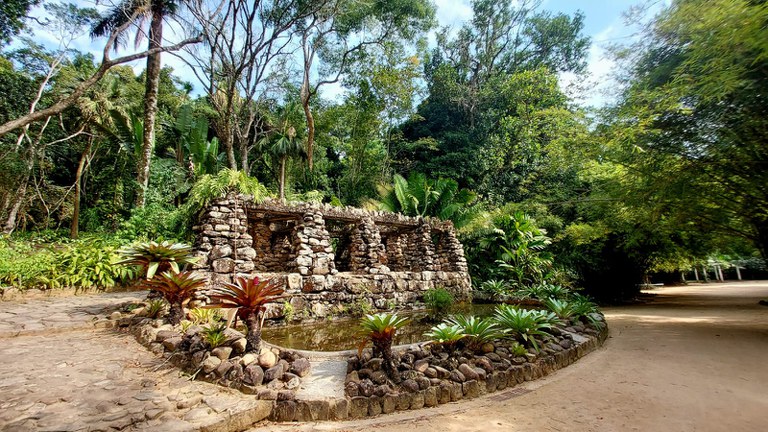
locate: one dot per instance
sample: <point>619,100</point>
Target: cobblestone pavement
<point>59,373</point>
<point>45,315</point>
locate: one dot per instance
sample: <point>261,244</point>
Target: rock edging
<point>425,394</point>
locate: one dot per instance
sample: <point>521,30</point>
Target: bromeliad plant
<point>564,309</point>
<point>250,297</point>
<point>380,329</point>
<point>446,335</point>
<point>478,331</point>
<point>524,324</point>
<point>154,258</point>
<point>177,289</point>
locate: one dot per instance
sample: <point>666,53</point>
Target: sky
<point>604,24</point>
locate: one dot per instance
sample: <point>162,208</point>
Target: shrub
<point>497,288</point>
<point>215,335</point>
<point>564,309</point>
<point>446,334</point>
<point>438,302</point>
<point>155,308</point>
<point>518,350</point>
<point>153,257</point>
<point>82,264</point>
<point>524,324</point>
<point>205,316</point>
<point>477,330</point>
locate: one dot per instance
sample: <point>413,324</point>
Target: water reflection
<point>341,334</point>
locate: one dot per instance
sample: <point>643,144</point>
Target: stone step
<point>325,382</point>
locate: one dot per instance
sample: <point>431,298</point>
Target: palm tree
<point>140,11</point>
<point>283,143</point>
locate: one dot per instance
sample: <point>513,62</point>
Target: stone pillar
<point>366,250</point>
<point>223,242</point>
<point>262,236</point>
<point>395,255</point>
<point>420,250</point>
<point>312,243</point>
<point>450,252</point>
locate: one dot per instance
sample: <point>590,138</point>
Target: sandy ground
<point>693,359</point>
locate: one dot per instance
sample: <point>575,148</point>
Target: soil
<point>694,358</point>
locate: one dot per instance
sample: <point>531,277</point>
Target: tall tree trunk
<point>150,101</point>
<point>244,156</point>
<point>282,178</point>
<point>306,95</point>
<point>226,139</point>
<point>10,222</point>
<point>74,229</point>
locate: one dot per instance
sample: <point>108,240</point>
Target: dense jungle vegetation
<point>473,127</point>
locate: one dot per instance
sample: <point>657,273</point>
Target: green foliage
<point>205,316</point>
<point>515,244</point>
<point>215,335</point>
<point>497,288</point>
<point>518,350</point>
<point>380,327</point>
<point>446,334</point>
<point>524,324</point>
<point>564,309</point>
<point>84,264</point>
<point>420,196</point>
<point>153,257</point>
<point>210,187</point>
<point>477,330</point>
<point>153,221</point>
<point>438,301</point>
<point>155,308</point>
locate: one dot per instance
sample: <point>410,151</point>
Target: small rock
<point>421,365</point>
<point>114,316</point>
<point>488,348</point>
<point>457,376</point>
<point>301,367</point>
<point>248,359</point>
<point>274,373</point>
<point>210,364</point>
<point>172,343</point>
<point>293,383</point>
<point>430,372</point>
<point>468,372</point>
<point>222,353</point>
<point>267,359</point>
<point>352,377</point>
<point>410,385</point>
<point>223,368</point>
<point>239,345</point>
<point>253,375</point>
<point>379,377</point>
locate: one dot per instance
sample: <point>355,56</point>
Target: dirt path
<point>694,359</point>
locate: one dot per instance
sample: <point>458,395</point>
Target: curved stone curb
<point>360,406</point>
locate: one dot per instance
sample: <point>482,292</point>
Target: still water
<point>341,334</point>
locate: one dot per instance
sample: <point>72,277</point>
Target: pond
<point>341,334</point>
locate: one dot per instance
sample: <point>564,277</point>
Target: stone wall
<point>387,260</point>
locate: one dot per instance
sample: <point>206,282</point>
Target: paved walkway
<point>694,359</point>
<point>60,373</point>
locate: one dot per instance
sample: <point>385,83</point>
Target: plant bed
<point>429,374</point>
<point>270,374</point>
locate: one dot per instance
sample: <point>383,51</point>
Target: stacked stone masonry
<point>330,257</point>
